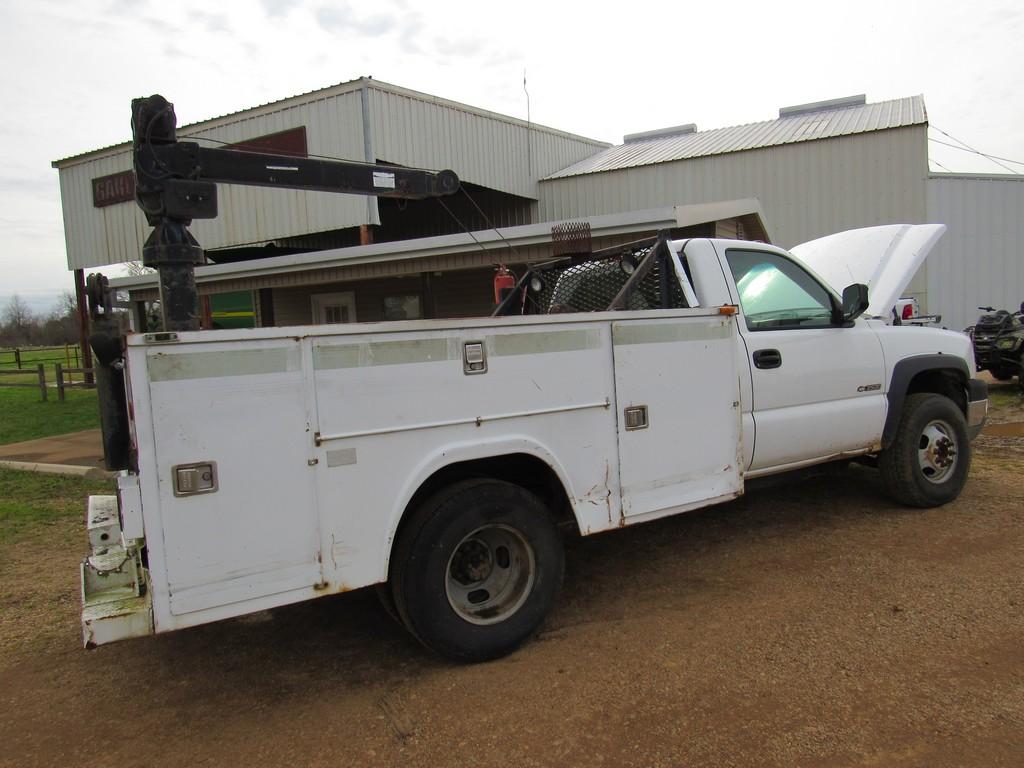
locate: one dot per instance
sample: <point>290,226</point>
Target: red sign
<point>115,188</point>
<point>290,142</point>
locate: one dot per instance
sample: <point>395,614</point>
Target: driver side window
<point>777,293</point>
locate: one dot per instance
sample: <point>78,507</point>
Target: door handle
<point>767,358</point>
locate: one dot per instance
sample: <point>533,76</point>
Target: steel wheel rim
<point>937,453</point>
<point>490,574</point>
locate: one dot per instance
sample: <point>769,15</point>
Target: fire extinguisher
<point>504,283</point>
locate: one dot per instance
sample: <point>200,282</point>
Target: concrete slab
<point>82,449</point>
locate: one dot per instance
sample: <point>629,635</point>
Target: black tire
<point>387,601</point>
<point>927,463</point>
<point>483,528</point>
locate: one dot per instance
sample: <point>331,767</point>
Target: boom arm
<point>176,182</point>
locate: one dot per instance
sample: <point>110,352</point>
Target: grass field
<point>29,500</point>
<point>1004,397</point>
<point>23,416</point>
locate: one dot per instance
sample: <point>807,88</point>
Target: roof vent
<point>823,106</point>
<point>661,133</point>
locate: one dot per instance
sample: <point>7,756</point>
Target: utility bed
<point>274,465</point>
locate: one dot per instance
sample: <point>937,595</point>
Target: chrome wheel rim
<point>490,574</point>
<point>937,451</point>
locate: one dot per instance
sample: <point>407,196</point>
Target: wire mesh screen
<point>591,286</point>
<point>649,290</point>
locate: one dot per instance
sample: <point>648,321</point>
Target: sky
<point>71,68</point>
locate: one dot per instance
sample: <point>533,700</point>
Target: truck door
<point>817,387</point>
<point>677,395</point>
<point>237,499</point>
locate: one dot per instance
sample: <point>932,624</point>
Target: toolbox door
<point>677,394</point>
<point>237,498</point>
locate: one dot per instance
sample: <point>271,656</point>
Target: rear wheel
<point>476,569</point>
<point>926,464</point>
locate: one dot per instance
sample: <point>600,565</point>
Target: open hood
<point>883,258</point>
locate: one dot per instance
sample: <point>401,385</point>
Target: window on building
<point>334,308</point>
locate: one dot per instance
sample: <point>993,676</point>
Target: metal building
<point>283,257</point>
<point>980,260</point>
<point>499,159</point>
<point>817,169</point>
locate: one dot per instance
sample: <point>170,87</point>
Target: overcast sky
<point>71,69</point>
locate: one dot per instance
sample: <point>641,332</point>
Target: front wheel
<point>476,569</point>
<point>926,464</point>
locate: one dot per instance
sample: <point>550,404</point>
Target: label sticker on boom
<point>383,180</point>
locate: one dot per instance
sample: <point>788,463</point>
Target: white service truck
<point>441,458</point>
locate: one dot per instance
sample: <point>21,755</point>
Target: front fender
<point>903,374</point>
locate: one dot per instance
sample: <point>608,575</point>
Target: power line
<point>993,158</point>
<point>936,162</point>
<point>965,147</point>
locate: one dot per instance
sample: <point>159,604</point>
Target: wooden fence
<point>26,358</point>
<point>63,381</point>
<point>62,375</point>
<point>40,382</point>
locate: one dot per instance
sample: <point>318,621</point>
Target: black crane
<point>175,183</point>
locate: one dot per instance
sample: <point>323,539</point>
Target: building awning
<point>522,244</point>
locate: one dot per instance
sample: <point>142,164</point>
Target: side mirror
<point>855,301</point>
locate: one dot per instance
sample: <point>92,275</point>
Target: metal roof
<point>790,129</point>
<point>186,131</point>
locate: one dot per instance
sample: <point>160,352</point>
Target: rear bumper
<point>977,406</point>
<point>116,602</point>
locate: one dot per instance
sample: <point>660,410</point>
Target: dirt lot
<point>811,623</point>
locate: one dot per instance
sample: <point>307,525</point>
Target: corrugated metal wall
<point>408,128</point>
<point>96,236</point>
<point>980,260</point>
<point>494,151</point>
<point>807,190</point>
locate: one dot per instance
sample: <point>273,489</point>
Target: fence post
<point>42,380</point>
<point>17,358</point>
<point>59,370</point>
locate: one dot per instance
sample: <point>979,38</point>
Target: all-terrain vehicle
<point>999,342</point>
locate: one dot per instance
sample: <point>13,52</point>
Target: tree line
<point>21,327</point>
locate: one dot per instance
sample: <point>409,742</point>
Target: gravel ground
<point>810,623</point>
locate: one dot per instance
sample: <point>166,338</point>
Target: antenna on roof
<point>529,163</point>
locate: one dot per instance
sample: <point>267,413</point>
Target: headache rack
<point>644,274</point>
